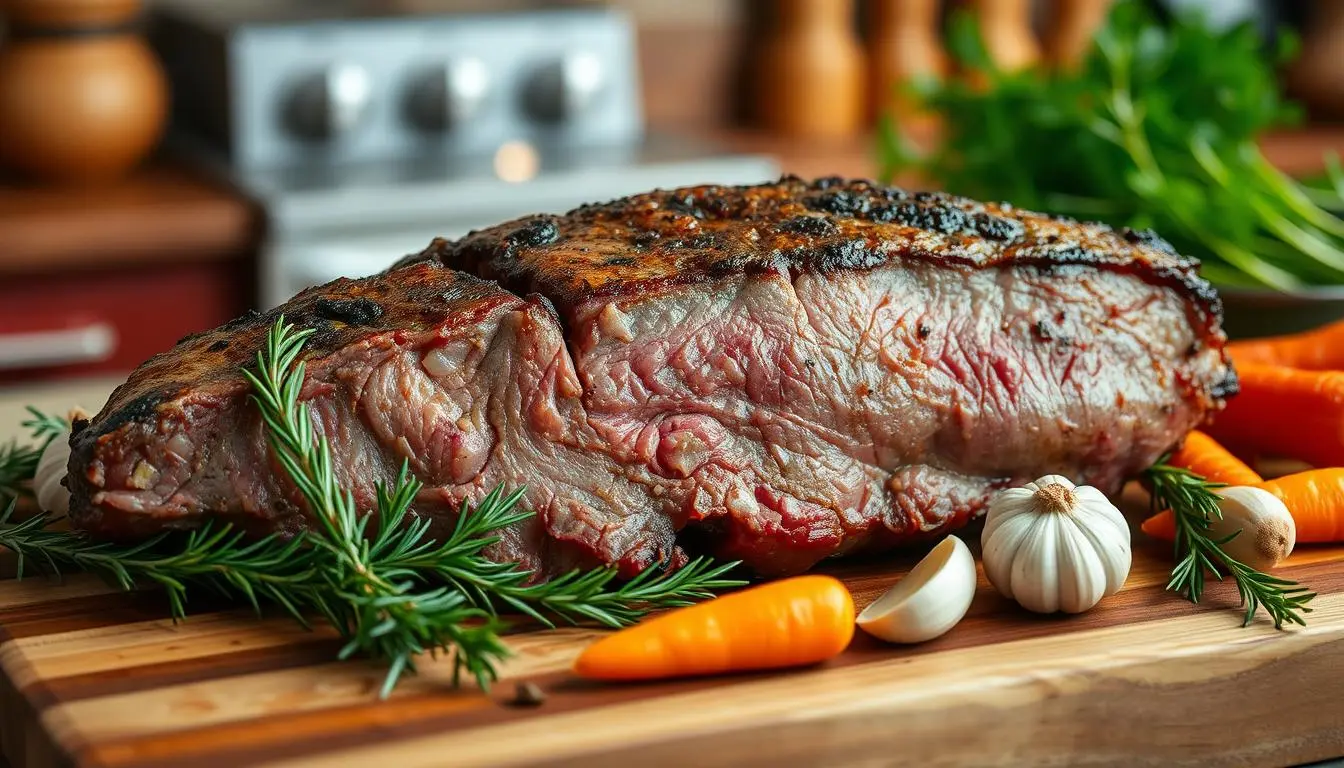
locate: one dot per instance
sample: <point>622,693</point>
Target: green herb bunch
<point>1193,502</point>
<point>391,590</point>
<point>1155,129</point>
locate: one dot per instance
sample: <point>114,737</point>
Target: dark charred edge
<point>140,408</point>
<point>361,311</point>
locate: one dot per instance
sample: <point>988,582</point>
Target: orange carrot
<point>1286,412</point>
<point>1202,455</point>
<point>786,623</point>
<point>1315,499</point>
<point>1161,526</point>
<point>1321,349</point>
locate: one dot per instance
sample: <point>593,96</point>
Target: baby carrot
<point>1316,501</point>
<point>1318,350</point>
<point>1202,455</point>
<point>1286,412</point>
<point>786,623</point>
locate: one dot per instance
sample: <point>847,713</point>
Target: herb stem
<point>1194,503</point>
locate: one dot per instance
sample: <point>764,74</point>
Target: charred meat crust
<point>670,237</point>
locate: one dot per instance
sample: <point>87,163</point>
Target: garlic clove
<point>1035,576</point>
<point>929,601</point>
<point>1267,531</point>
<point>48,487</point>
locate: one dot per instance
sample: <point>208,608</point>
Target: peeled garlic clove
<point>929,601</point>
<point>1267,531</point>
<point>52,495</point>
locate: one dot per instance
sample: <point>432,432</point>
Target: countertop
<point>161,212</point>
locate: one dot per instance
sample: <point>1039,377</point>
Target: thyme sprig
<point>1193,502</point>
<point>389,588</point>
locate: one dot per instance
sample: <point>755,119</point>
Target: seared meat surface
<point>789,371</point>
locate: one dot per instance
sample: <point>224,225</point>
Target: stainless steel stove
<point>365,128</point>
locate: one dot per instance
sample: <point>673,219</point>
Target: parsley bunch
<point>1155,130</point>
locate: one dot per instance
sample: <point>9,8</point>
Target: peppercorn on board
<point>95,677</point>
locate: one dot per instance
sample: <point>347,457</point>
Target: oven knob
<point>330,103</point>
<point>448,95</point>
<point>564,88</point>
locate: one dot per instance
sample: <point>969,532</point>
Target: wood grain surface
<point>90,676</point>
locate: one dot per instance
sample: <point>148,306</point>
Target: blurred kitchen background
<point>166,168</point>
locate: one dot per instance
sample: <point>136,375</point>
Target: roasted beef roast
<point>776,373</point>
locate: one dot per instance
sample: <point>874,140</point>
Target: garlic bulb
<point>1267,531</point>
<point>1053,546</point>
<point>929,601</point>
<point>52,495</point>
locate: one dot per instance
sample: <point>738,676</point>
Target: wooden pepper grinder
<point>1076,22</point>
<point>1005,26</point>
<point>1317,76</point>
<point>808,74</point>
<point>81,95</point>
<point>905,42</point>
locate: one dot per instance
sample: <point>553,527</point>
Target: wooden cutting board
<point>94,677</point>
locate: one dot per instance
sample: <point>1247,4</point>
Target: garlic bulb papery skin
<point>1267,531</point>
<point>52,495</point>
<point>1053,546</point>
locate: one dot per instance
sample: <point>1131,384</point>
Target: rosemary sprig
<point>392,608</point>
<point>573,597</point>
<point>45,427</point>
<point>380,613</point>
<point>215,557</point>
<point>18,462</point>
<point>1194,503</point>
<point>391,590</point>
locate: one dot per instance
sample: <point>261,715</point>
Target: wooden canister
<point>1075,26</point>
<point>808,73</point>
<point>82,97</point>
<point>1005,26</point>
<point>1317,77</point>
<point>905,42</point>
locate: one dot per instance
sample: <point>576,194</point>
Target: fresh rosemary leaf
<point>1194,503</point>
